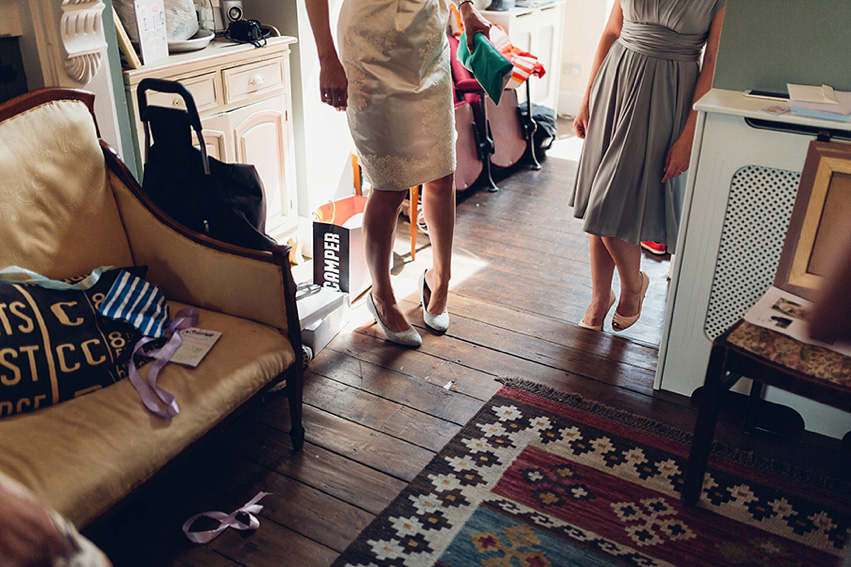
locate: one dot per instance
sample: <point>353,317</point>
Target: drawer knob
<point>256,80</point>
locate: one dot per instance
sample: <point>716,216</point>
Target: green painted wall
<point>768,43</point>
<point>114,62</point>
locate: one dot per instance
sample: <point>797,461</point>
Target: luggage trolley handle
<point>192,117</point>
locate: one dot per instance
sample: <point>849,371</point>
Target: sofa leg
<point>297,439</point>
<point>294,394</point>
<point>293,386</point>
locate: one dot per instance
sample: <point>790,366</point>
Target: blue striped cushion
<point>137,302</point>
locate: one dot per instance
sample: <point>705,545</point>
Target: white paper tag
<point>195,345</point>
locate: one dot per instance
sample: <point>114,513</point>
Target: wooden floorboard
<point>375,413</point>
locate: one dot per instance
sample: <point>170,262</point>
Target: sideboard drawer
<point>248,80</point>
<point>205,89</point>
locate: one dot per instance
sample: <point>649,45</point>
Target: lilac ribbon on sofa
<point>149,391</point>
<point>226,520</point>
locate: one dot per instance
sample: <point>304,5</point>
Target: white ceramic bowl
<point>198,41</point>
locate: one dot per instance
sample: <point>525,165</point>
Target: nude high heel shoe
<point>437,323</point>
<point>620,322</point>
<point>409,337</point>
<point>609,308</point>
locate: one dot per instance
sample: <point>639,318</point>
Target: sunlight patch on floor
<point>568,148</point>
<point>406,273</point>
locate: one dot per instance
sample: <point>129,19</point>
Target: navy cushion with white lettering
<point>55,346</point>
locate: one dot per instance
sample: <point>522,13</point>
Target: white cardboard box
<point>321,316</point>
<point>320,333</point>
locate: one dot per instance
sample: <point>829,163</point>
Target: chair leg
<point>414,215</point>
<point>752,408</point>
<point>487,147</point>
<point>357,175</point>
<point>704,429</point>
<point>532,127</point>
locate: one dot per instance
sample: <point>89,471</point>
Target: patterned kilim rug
<point>540,478</point>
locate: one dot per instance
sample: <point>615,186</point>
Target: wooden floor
<point>375,413</point>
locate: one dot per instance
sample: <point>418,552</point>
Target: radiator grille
<point>755,224</point>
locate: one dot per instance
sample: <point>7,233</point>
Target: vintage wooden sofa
<point>68,205</point>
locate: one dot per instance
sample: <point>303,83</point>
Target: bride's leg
<point>379,232</point>
<point>439,212</point>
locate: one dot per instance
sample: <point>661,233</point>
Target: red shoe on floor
<point>655,248</point>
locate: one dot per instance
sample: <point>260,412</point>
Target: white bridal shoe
<point>409,337</point>
<point>438,323</point>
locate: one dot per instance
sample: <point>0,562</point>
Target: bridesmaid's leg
<point>439,212</point>
<point>627,258</point>
<point>379,232</point>
<point>602,270</point>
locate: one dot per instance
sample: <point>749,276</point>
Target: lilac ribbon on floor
<point>149,391</point>
<point>226,521</point>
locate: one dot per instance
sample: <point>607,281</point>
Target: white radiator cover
<point>740,193</point>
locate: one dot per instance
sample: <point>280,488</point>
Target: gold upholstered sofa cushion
<point>67,206</point>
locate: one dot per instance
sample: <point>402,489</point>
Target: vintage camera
<point>248,31</point>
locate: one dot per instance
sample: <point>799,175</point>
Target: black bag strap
<point>190,115</point>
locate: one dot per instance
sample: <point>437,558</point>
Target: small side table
<point>768,358</point>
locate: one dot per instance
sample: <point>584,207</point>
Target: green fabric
<point>487,64</point>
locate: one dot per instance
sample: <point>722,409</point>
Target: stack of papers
<point>819,102</point>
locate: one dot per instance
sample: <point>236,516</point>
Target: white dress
<point>400,111</point>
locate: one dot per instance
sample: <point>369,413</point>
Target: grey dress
<point>639,104</point>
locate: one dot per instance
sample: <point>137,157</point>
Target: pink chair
<point>500,136</point>
<point>468,163</point>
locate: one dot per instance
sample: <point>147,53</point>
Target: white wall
<point>584,22</point>
<point>322,139</point>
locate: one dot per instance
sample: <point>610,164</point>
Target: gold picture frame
<point>820,219</point>
<point>129,57</point>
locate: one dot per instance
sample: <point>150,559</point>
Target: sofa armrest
<point>193,268</point>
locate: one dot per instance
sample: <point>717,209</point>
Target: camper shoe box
<point>321,316</point>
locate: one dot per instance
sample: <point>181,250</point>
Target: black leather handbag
<point>222,200</point>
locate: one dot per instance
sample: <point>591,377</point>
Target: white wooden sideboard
<point>243,95</point>
<point>539,31</point>
<point>740,192</point>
